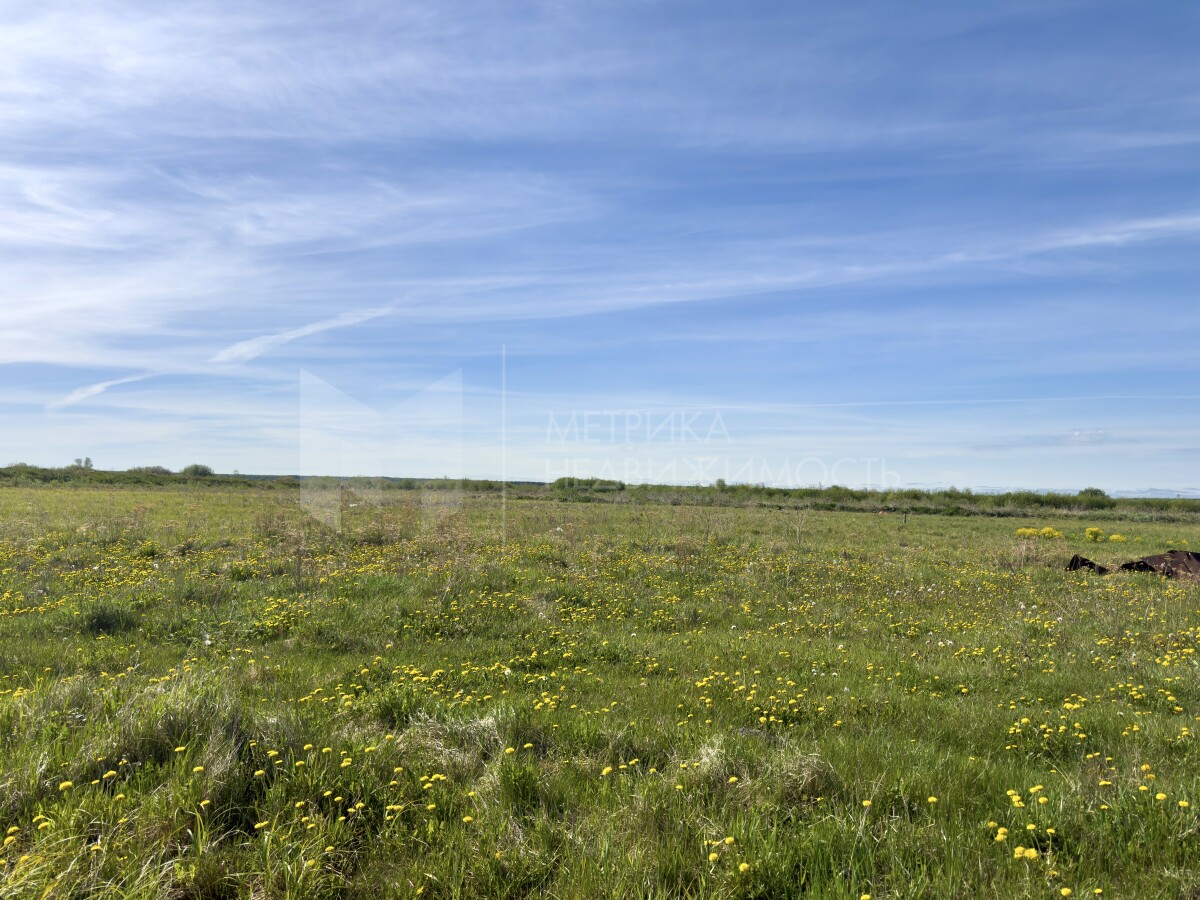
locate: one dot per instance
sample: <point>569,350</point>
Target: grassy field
<point>207,693</point>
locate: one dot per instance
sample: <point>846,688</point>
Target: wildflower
<point>733,779</point>
<point>261,825</point>
<point>468,819</point>
<point>66,785</point>
<point>1160,796</point>
<point>180,749</point>
<point>744,867</point>
<point>1183,804</point>
<point>528,747</point>
<point>866,804</point>
<point>728,842</point>
<point>606,771</point>
<point>510,750</point>
<point>712,857</point>
<point>1066,892</point>
<point>196,770</point>
<point>932,799</point>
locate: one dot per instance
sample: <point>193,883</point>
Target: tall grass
<point>208,694</point>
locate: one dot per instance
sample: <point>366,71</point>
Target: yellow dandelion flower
<point>66,785</point>
<point>744,867</point>
<point>712,857</point>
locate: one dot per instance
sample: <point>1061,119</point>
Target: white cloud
<point>244,351</point>
<point>92,390</point>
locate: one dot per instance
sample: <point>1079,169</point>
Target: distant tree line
<point>1091,501</point>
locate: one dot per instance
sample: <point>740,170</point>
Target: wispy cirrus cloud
<point>93,390</point>
<point>244,351</point>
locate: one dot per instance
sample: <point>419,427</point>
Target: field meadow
<point>209,693</point>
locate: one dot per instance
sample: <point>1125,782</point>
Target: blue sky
<point>888,243</point>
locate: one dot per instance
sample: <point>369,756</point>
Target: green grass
<point>206,693</point>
